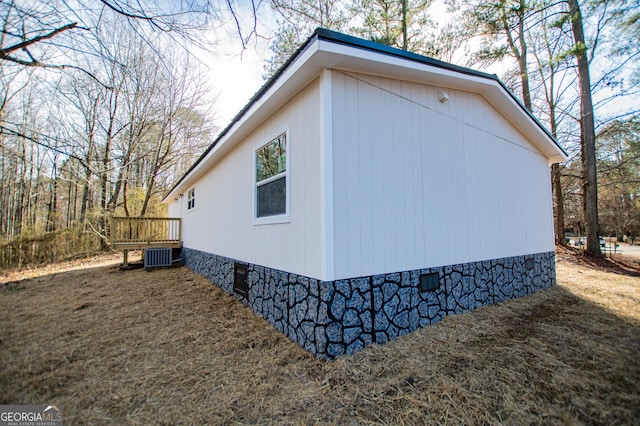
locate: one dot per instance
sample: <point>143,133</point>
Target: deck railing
<point>143,232</point>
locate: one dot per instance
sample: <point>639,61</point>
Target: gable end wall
<point>421,183</point>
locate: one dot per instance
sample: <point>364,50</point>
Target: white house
<point>366,191</point>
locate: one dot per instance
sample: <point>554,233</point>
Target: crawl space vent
<point>429,282</point>
<point>240,280</point>
<point>157,257</point>
<point>528,263</point>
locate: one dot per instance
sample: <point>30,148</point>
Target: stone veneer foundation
<point>332,318</point>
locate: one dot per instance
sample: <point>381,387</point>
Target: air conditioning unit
<point>157,257</point>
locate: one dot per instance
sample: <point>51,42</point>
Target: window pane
<point>191,199</point>
<point>272,198</point>
<point>271,159</point>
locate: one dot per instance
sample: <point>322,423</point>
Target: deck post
<point>125,258</point>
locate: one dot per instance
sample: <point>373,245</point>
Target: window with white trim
<point>271,178</point>
<point>191,199</point>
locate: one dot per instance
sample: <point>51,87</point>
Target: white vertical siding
<point>420,183</point>
<point>174,208</point>
<point>222,222</point>
<point>326,176</point>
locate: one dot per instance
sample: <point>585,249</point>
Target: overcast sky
<point>236,74</point>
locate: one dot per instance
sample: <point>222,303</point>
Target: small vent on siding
<point>528,263</point>
<point>240,280</point>
<point>156,257</point>
<point>429,282</point>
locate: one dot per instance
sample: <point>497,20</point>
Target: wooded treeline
<point>105,135</point>
<point>75,149</point>
<point>103,105</point>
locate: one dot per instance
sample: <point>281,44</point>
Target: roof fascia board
<point>526,123</point>
<point>557,154</point>
<point>339,38</point>
<point>363,61</point>
<point>369,62</point>
<point>327,49</point>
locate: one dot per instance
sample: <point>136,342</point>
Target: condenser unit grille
<point>155,257</point>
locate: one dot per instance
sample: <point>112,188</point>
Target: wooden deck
<point>135,233</point>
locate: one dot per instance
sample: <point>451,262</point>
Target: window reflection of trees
<point>271,158</point>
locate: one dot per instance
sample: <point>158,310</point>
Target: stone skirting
<point>332,318</point>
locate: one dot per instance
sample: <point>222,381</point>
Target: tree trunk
<point>103,191</point>
<point>91,119</point>
<point>86,203</point>
<point>122,174</point>
<point>556,183</point>
<point>522,60</point>
<point>86,194</point>
<point>19,200</point>
<point>124,200</point>
<point>557,194</point>
<point>4,197</point>
<point>104,179</point>
<point>69,197</point>
<point>405,42</point>
<point>157,161</point>
<point>53,205</point>
<point>519,50</point>
<point>587,133</point>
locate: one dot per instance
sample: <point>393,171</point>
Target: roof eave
<point>554,155</point>
<point>353,58</point>
<point>275,92</point>
<point>325,49</point>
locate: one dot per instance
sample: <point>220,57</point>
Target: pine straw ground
<point>165,347</point>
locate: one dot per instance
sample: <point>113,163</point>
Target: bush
<point>49,247</point>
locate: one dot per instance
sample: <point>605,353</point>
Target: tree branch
<point>4,129</point>
<point>23,45</point>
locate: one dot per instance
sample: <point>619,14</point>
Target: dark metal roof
<point>344,39</point>
<point>340,38</point>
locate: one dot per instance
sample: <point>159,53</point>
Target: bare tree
<point>552,79</point>
<point>618,146</point>
<point>587,132</point>
<point>43,33</point>
<point>502,28</point>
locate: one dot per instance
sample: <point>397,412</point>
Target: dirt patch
<point>168,347</point>
<point>17,276</point>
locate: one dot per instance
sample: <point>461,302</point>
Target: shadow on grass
<point>618,264</point>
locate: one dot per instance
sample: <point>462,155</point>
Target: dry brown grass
<point>167,347</point>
